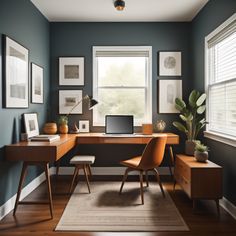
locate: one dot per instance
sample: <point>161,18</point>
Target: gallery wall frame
<point>71,71</point>
<point>170,63</point>
<point>68,100</point>
<point>31,124</point>
<point>36,83</point>
<point>15,74</point>
<point>168,90</point>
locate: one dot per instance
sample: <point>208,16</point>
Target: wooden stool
<point>82,162</point>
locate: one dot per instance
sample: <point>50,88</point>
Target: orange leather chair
<point>151,158</point>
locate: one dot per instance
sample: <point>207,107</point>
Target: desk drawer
<point>184,183</point>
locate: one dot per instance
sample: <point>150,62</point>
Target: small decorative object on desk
<point>63,124</point>
<point>201,152</point>
<point>50,128</point>
<point>84,126</point>
<point>147,129</point>
<point>160,126</point>
<point>75,129</point>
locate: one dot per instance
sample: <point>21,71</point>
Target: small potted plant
<point>63,124</point>
<point>201,152</point>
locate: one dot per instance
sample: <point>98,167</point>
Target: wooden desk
<point>42,153</point>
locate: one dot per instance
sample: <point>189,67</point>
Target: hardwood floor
<point>35,219</point>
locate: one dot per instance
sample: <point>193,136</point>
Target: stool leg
<point>74,177</point>
<point>86,176</point>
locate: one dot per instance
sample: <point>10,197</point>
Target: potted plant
<point>201,152</point>
<point>63,124</point>
<point>192,114</point>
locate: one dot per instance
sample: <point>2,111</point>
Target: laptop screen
<point>119,124</point>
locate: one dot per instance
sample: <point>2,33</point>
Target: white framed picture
<point>36,83</point>
<point>70,102</point>
<point>71,71</point>
<point>16,74</point>
<point>84,126</point>
<point>169,90</point>
<point>31,124</point>
<point>170,64</point>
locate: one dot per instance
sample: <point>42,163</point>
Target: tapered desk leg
<point>172,160</point>
<point>46,166</point>
<point>22,178</point>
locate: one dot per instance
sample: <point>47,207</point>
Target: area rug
<point>105,210</point>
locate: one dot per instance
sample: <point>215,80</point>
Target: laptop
<point>119,125</point>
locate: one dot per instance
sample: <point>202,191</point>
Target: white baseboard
<point>109,171</point>
<point>9,205</point>
<point>229,207</point>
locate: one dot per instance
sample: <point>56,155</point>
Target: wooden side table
<point>199,180</point>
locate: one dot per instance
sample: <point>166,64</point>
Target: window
<point>221,80</point>
<point>122,83</point>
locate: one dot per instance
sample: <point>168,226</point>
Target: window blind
<point>222,81</point>
<point>122,54</point>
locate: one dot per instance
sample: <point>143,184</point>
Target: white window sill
<point>220,138</point>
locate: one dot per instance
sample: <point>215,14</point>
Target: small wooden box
<point>147,128</point>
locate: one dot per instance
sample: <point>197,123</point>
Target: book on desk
<point>45,138</point>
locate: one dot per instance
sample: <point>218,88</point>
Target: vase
<point>50,128</point>
<point>160,126</point>
<point>63,129</point>
<point>190,147</point>
<point>201,156</point>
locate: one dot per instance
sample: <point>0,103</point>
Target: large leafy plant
<point>192,114</point>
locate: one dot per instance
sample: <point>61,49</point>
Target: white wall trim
<point>109,171</point>
<point>9,205</point>
<point>229,207</point>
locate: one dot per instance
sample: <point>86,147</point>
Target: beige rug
<point>105,210</point>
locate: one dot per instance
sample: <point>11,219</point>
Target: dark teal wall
<point>77,39</point>
<point>210,17</point>
<point>21,21</point>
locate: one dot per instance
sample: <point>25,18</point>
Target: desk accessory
<point>146,129</point>
<point>50,128</point>
<point>160,126</point>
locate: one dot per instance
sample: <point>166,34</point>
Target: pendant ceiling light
<point>119,5</point>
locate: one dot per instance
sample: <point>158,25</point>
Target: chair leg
<point>159,181</point>
<point>89,171</point>
<point>86,176</point>
<point>74,177</point>
<point>124,178</point>
<point>141,185</point>
<point>146,178</point>
<point>46,167</point>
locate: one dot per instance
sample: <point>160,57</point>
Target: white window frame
<point>227,139</point>
<point>148,98</point>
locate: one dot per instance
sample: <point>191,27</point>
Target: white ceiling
<point>104,11</point>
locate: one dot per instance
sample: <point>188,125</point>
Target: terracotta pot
<point>50,128</point>
<point>201,156</point>
<point>63,129</point>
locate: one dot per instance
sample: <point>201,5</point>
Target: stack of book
<point>45,137</point>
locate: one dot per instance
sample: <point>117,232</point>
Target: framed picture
<point>31,124</point>
<point>36,83</point>
<point>16,74</point>
<point>71,71</point>
<point>170,64</point>
<point>84,126</point>
<point>168,91</point>
<point>70,102</point>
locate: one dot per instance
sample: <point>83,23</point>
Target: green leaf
<point>182,117</point>
<point>180,127</point>
<point>179,104</point>
<point>194,95</point>
<point>201,99</point>
<point>201,109</point>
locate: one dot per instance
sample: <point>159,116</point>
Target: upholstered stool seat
<point>82,162</point>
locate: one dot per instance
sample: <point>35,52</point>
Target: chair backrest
<point>153,153</point>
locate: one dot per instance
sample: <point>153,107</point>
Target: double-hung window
<point>122,83</point>
<point>220,49</point>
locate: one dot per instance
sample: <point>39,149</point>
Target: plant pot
<point>63,129</point>
<point>50,128</point>
<point>201,156</point>
<point>189,147</point>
